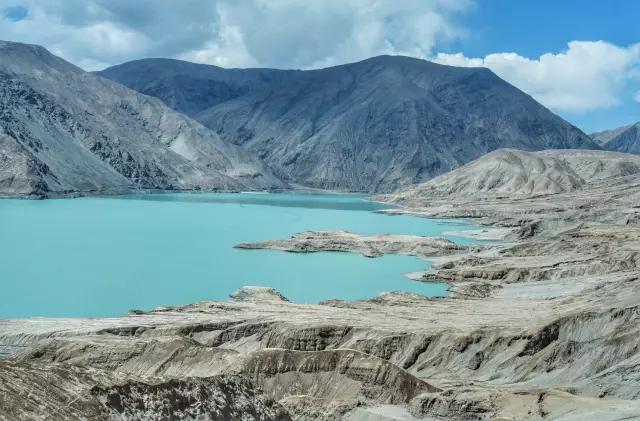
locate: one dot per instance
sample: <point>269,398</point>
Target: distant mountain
<point>64,130</point>
<point>520,173</point>
<point>374,125</point>
<point>623,139</point>
<point>605,136</point>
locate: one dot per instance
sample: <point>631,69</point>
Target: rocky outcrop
<point>64,131</point>
<point>368,246</point>
<point>254,293</point>
<point>475,404</point>
<point>69,393</point>
<point>331,375</point>
<point>220,398</point>
<point>375,125</point>
<point>348,376</point>
<point>166,356</point>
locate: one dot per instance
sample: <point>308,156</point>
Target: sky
<point>580,58</point>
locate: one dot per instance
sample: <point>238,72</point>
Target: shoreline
<point>133,191</point>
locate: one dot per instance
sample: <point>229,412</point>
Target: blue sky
<point>580,58</point>
<point>533,28</point>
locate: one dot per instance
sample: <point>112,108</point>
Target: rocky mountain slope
<point>606,135</point>
<point>625,139</point>
<point>64,130</point>
<point>374,125</point>
<point>521,173</point>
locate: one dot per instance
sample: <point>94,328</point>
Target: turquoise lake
<point>102,256</point>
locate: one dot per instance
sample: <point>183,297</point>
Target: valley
<point>487,268</point>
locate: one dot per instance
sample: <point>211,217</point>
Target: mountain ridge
<point>516,173</point>
<point>64,130</point>
<point>625,139</point>
<point>373,125</point>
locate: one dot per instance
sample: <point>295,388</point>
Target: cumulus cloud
<point>97,33</point>
<point>589,75</point>
<point>306,34</point>
<point>232,33</point>
<point>310,34</point>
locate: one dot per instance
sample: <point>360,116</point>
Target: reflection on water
<point>309,201</point>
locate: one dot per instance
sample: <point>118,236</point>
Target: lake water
<point>103,256</point>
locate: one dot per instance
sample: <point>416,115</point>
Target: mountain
<point>603,137</point>
<point>64,130</point>
<point>623,139</point>
<point>374,125</point>
<point>520,173</point>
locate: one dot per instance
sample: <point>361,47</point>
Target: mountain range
<point>371,126</point>
<point>374,125</point>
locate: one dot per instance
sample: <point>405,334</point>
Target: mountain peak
<point>623,139</point>
<point>373,125</point>
<point>23,58</point>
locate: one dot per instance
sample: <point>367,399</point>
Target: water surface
<point>103,256</point>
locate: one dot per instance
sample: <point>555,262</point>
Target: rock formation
<point>73,393</point>
<point>368,246</point>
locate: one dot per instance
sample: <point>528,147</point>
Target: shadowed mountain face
<point>605,136</point>
<point>624,139</point>
<point>64,130</point>
<point>374,125</point>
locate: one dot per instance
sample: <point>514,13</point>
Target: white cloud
<point>637,96</point>
<point>309,34</point>
<point>589,75</point>
<point>232,33</point>
<point>295,34</point>
<point>97,33</point>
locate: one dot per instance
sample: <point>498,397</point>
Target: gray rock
<point>256,293</point>
<point>368,246</point>
<point>374,125</point>
<point>64,130</point>
<point>69,393</point>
